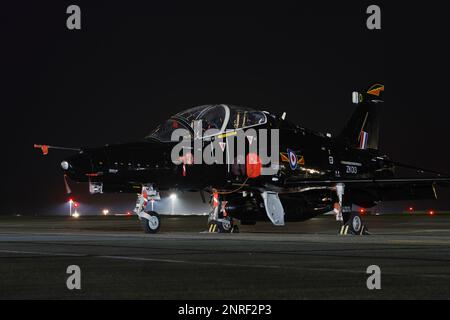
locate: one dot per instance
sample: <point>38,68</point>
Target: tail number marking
<point>351,169</point>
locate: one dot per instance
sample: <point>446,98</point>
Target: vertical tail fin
<point>362,130</point>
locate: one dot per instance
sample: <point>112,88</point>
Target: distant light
<point>128,213</point>
<point>76,204</point>
<point>70,200</point>
<point>362,210</point>
<point>173,196</point>
<point>76,215</point>
<point>431,213</point>
<point>411,209</point>
<point>105,212</point>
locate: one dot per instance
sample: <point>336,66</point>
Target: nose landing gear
<point>150,221</point>
<point>218,220</point>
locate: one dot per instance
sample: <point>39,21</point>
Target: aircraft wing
<point>442,181</point>
<point>420,185</point>
<point>391,189</point>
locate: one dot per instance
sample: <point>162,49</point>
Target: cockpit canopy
<point>220,117</point>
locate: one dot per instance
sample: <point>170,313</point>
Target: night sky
<point>133,64</point>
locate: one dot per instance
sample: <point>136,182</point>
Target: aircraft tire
<point>354,226</point>
<point>152,225</point>
<point>222,226</point>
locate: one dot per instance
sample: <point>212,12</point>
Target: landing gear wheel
<point>221,226</point>
<point>354,226</point>
<point>151,224</point>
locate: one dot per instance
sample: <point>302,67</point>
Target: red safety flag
<point>44,148</point>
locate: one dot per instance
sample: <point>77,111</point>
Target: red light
<point>75,204</point>
<point>431,213</point>
<point>362,210</point>
<point>410,209</point>
<point>128,213</point>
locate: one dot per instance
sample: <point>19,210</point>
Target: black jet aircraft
<point>311,173</point>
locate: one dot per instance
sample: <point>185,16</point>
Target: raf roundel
<point>292,159</point>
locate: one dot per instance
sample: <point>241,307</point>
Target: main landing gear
<point>352,223</point>
<point>150,221</point>
<point>222,226</point>
<point>218,220</point>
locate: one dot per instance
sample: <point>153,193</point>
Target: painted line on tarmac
<point>43,253</point>
<point>234,265</point>
<point>259,266</point>
<point>420,242</point>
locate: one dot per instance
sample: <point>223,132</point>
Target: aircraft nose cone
<point>77,166</point>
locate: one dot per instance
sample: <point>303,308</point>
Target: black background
<point>133,64</point>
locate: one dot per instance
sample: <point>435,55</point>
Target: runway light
<point>105,212</point>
